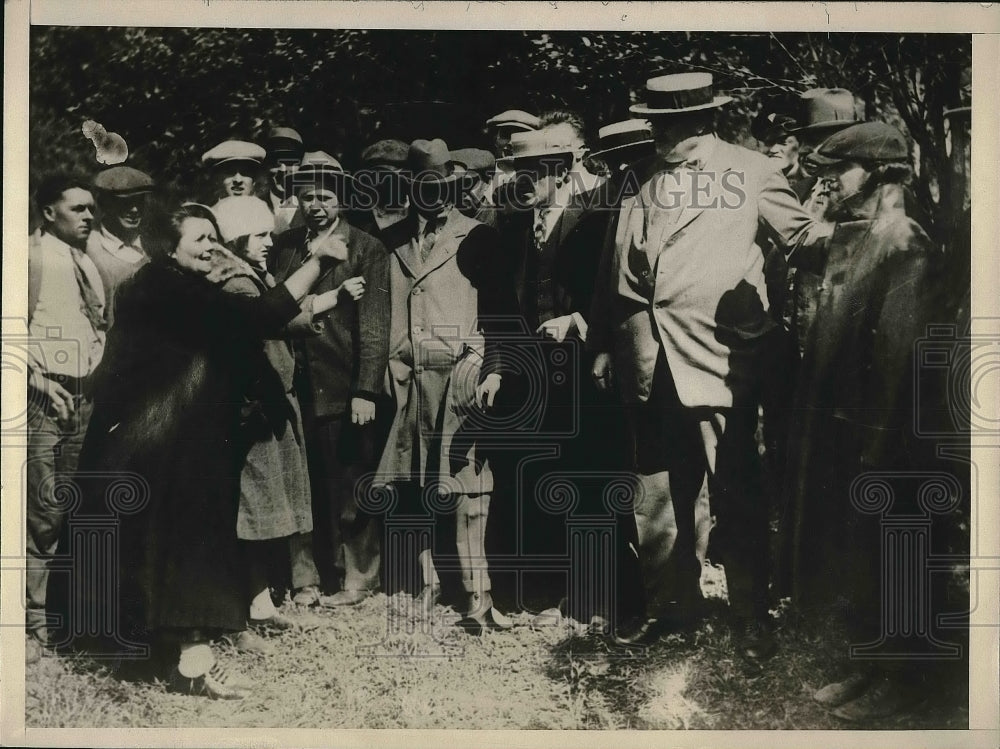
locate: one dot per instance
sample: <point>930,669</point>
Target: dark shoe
<point>884,698</point>
<point>836,694</point>
<point>483,616</point>
<point>218,684</point>
<point>345,598</point>
<point>307,596</point>
<point>638,632</point>
<point>756,642</point>
<point>490,620</point>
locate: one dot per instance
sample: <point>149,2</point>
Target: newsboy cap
<point>386,153</point>
<point>233,150</point>
<point>123,181</point>
<point>865,142</point>
<point>515,119</point>
<point>474,159</point>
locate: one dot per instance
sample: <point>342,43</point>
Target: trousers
<point>53,454</point>
<point>347,540</point>
<point>679,452</point>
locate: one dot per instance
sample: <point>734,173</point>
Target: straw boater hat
<point>622,136</point>
<point>678,93</point>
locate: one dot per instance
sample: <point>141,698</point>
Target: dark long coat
<point>854,403</point>
<point>341,353</point>
<point>167,407</point>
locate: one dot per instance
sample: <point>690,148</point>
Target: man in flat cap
<point>479,165</point>
<point>855,429</point>
<point>380,177</point>
<point>234,167</point>
<point>284,152</point>
<point>678,323</point>
<point>341,367</point>
<point>501,128</point>
<point>115,247</point>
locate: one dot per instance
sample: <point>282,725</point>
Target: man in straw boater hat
<point>342,361</point>
<point>444,373</point>
<point>554,242</point>
<point>679,330</point>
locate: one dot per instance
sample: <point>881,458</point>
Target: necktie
<point>427,239</point>
<point>90,305</point>
<point>540,227</point>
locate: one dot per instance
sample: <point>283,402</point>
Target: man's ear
<point>49,213</point>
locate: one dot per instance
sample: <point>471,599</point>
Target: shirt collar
<point>312,234</point>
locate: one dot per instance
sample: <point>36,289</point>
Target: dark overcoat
<point>167,406</point>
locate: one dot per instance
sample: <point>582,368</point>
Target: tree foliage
<point>173,93</point>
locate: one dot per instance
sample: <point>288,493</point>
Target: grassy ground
<point>374,667</point>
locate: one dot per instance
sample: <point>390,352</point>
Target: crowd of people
<point>467,330</point>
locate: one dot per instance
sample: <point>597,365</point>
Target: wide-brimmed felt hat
<point>514,119</point>
<point>284,140</point>
<point>633,134</point>
<point>825,110</point>
<point>678,93</point>
<point>866,142</point>
<point>319,169</point>
<point>233,151</point>
<point>430,161</point>
<point>123,181</point>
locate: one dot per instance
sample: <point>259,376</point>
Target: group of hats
<point>829,114</point>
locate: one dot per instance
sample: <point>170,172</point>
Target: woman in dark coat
<point>167,409</point>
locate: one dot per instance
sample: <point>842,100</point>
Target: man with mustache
<point>115,247</point>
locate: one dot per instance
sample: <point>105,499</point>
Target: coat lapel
<point>450,236</point>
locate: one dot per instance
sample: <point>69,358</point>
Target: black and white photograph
<point>447,366</point>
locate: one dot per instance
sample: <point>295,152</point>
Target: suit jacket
<point>697,290</point>
<point>570,257</point>
<point>442,344</point>
<point>342,352</point>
